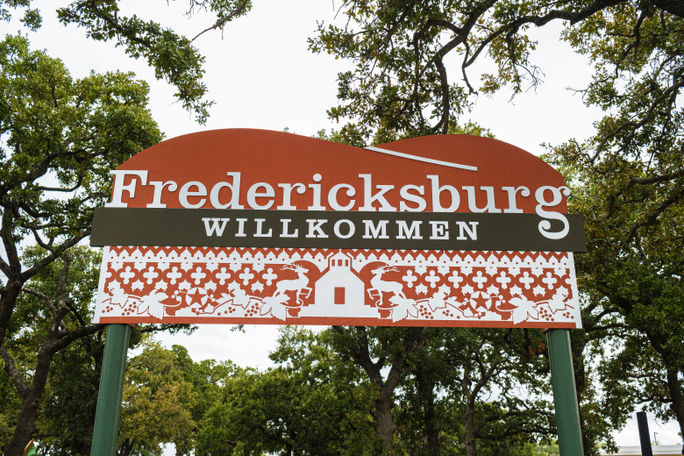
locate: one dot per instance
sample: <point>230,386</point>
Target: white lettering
<point>241,227</point>
<point>440,230</point>
<point>214,226</point>
<point>158,187</point>
<point>285,231</point>
<point>119,187</point>
<point>253,193</point>
<point>463,228</point>
<point>437,195</point>
<point>351,229</point>
<point>512,201</point>
<point>418,200</point>
<point>234,192</point>
<point>287,195</point>
<point>316,189</point>
<point>315,230</point>
<point>472,204</point>
<point>260,228</point>
<point>369,198</point>
<point>409,233</point>
<point>378,231</point>
<point>332,197</point>
<point>545,226</point>
<point>186,193</point>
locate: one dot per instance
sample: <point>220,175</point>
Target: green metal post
<point>564,393</point>
<point>111,388</point>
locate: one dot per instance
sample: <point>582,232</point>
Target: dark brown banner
<point>344,230</point>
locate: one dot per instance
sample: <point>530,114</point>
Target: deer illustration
<point>297,284</point>
<point>383,286</point>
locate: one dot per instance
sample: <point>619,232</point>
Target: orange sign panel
<point>253,226</point>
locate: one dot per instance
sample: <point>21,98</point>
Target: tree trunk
<point>126,448</point>
<point>470,443</point>
<point>675,389</point>
<point>31,396</point>
<point>384,422</point>
<point>30,402</point>
<point>426,392</point>
<point>8,299</point>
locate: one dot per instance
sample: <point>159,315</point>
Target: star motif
<point>492,290</point>
<point>445,289</point>
<point>194,296</point>
<point>210,285</point>
<point>257,286</point>
<point>137,285</point>
<point>516,290</point>
<point>184,285</point>
<point>538,291</point>
<point>421,289</point>
<point>161,285</point>
<point>467,289</point>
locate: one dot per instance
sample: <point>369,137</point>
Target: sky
<point>261,75</point>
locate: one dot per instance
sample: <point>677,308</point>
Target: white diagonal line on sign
<point>422,159</point>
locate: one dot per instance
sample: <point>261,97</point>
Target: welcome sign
<point>253,226</point>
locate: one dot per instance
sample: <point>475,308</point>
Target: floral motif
<point>252,285</point>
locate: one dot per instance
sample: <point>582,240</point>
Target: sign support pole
<point>109,395</point>
<point>564,393</point>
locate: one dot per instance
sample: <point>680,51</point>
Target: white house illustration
<point>339,292</point>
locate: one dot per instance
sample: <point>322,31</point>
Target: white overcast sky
<point>261,75</point>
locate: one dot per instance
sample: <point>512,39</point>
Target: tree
<point>484,389</point>
<point>64,424</point>
<point>173,56</point>
<point>401,84</point>
<point>630,183</point>
<point>158,402</point>
<point>636,290</point>
<point>60,139</point>
<point>628,177</point>
<point>383,354</point>
<point>54,323</point>
<point>312,403</point>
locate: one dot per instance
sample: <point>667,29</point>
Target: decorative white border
<point>219,285</point>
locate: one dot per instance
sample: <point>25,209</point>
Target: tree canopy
<point>414,70</point>
<point>173,56</point>
<point>59,139</point>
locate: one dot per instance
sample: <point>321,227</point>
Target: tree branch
<point>221,22</point>
<point>13,372</point>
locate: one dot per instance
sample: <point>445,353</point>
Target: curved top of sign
<point>208,169</point>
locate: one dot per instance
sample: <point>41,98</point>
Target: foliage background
<point>260,81</point>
